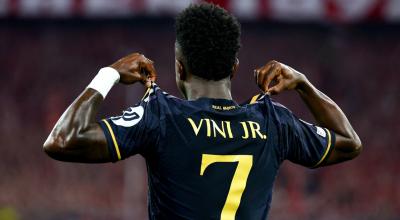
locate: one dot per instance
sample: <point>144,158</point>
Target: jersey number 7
<point>238,184</point>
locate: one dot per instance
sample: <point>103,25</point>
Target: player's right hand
<point>135,68</point>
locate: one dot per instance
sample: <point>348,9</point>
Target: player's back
<point>210,158</point>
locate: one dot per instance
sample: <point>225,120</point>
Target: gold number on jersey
<point>238,184</point>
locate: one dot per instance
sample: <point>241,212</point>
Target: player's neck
<point>200,88</point>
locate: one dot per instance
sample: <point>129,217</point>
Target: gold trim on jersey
<point>254,99</point>
<point>326,150</point>
<point>113,138</point>
<point>147,91</point>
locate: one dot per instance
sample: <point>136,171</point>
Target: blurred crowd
<point>45,65</point>
<point>286,10</point>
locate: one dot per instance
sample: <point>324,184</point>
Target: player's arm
<point>77,137</point>
<point>325,111</point>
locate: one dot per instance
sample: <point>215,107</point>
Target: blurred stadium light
<point>287,10</point>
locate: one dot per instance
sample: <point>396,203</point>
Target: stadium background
<point>50,49</point>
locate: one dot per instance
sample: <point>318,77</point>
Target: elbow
<point>53,146</point>
<point>56,146</point>
<point>355,148</point>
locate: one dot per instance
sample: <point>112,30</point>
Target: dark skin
<point>325,111</point>
<point>78,138</point>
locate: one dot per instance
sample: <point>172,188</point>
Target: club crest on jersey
<point>320,131</point>
<point>130,117</point>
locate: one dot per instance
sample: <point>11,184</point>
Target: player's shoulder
<point>263,99</point>
<point>155,94</point>
<point>164,101</point>
<point>164,97</point>
<point>274,109</point>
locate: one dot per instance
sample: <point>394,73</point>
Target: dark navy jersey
<point>212,158</point>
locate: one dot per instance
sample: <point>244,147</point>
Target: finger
<point>276,89</point>
<point>272,73</point>
<point>133,55</point>
<point>279,87</point>
<point>148,60</point>
<point>148,69</point>
<point>148,83</point>
<point>151,72</point>
<point>142,78</point>
<point>260,76</point>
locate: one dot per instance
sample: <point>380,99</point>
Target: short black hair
<point>209,39</point>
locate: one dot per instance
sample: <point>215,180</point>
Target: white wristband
<point>105,79</point>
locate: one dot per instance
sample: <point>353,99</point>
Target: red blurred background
<point>50,50</point>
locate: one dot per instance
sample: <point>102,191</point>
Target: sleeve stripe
<point>327,150</point>
<point>113,138</point>
<point>254,99</point>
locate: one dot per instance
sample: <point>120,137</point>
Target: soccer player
<point>207,157</point>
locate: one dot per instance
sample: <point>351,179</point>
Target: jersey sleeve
<point>135,131</point>
<point>304,143</point>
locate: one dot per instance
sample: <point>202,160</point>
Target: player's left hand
<point>275,77</point>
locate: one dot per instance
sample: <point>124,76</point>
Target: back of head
<point>209,40</point>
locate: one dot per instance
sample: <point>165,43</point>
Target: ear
<point>235,68</point>
<point>180,70</point>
